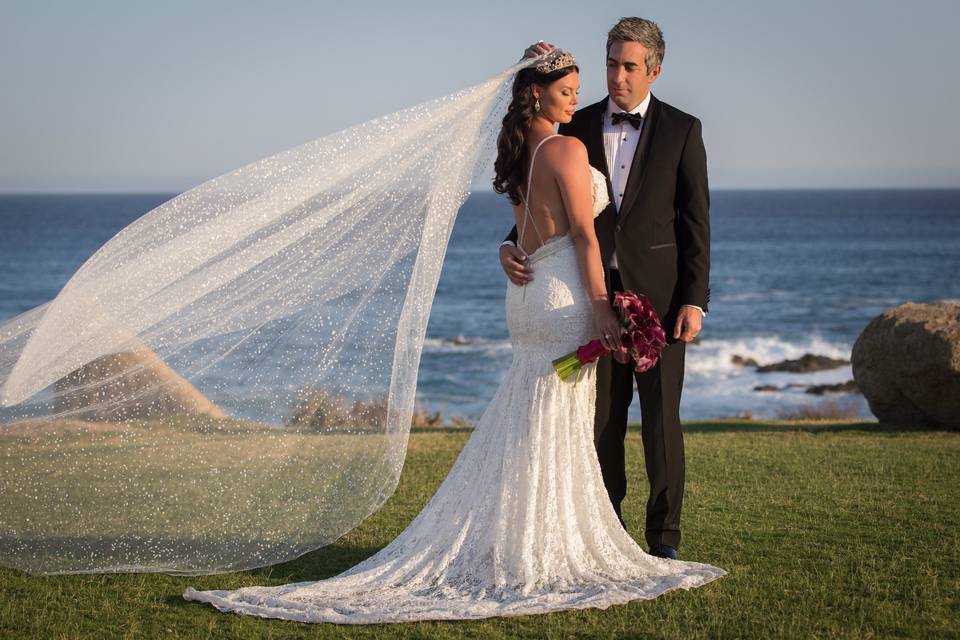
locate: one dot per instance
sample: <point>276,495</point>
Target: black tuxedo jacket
<point>662,231</point>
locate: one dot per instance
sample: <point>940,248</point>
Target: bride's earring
<point>536,105</point>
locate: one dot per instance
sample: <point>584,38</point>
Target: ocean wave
<point>714,386</point>
<point>715,357</point>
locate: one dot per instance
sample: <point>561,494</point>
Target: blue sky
<point>159,96</point>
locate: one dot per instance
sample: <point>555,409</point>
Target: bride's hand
<point>606,325</point>
<point>538,49</point>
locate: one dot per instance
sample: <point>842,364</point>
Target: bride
<point>522,524</point>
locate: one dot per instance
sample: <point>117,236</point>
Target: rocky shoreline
<point>808,363</point>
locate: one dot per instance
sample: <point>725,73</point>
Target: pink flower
<point>641,341</point>
<point>590,352</point>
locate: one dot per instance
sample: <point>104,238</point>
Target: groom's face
<point>628,80</point>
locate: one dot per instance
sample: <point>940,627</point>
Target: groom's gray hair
<point>646,32</point>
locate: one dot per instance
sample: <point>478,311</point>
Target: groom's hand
<point>514,263</point>
<point>538,49</point>
<point>688,323</point>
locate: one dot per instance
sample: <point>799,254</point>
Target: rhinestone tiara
<point>554,61</point>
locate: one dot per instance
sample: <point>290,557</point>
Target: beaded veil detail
<point>257,336</point>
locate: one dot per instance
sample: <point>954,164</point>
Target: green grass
<point>234,489</point>
<point>847,530</point>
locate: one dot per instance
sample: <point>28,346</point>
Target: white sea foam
<point>711,356</point>
<point>713,385</point>
<point>716,387</point>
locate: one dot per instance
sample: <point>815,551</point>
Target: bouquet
<point>642,338</point>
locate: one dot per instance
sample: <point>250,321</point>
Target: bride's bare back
<point>542,192</point>
<point>558,199</point>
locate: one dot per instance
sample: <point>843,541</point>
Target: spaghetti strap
<point>526,198</point>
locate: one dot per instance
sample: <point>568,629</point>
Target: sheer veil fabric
<point>228,383</point>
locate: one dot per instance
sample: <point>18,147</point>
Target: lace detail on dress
<point>522,524</point>
<point>601,198</point>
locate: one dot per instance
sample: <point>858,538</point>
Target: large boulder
<point>907,364</point>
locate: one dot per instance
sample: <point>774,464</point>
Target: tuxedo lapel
<point>639,165</point>
<point>594,138</point>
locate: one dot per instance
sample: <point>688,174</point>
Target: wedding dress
<point>522,524</point>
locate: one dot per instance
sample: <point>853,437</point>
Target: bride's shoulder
<point>565,152</point>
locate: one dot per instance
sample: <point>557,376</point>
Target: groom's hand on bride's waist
<point>514,263</point>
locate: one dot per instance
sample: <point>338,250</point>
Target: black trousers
<point>659,389</point>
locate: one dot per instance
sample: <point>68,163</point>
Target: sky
<point>139,95</point>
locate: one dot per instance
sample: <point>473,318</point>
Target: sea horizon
<point>793,271</point>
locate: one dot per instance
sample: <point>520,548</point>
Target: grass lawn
<point>847,530</point>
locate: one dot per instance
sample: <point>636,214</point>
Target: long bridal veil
<point>229,381</point>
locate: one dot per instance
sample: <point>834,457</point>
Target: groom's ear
<point>653,75</point>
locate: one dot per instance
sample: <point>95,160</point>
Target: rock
<point>743,362</point>
<point>907,364</point>
<point>131,384</point>
<point>820,389</point>
<point>807,364</point>
<point>459,341</point>
<point>817,390</point>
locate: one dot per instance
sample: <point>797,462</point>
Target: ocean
<point>792,272</point>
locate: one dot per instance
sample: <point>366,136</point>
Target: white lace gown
<point>522,524</point>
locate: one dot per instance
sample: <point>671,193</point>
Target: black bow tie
<point>632,118</point>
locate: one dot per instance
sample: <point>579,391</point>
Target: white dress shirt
<point>619,145</point>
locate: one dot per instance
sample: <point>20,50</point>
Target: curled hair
<point>511,157</point>
<point>646,32</point>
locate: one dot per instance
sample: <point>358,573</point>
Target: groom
<point>654,239</point>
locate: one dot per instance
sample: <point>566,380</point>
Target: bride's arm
<point>576,189</point>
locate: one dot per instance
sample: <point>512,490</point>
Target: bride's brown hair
<point>511,159</point>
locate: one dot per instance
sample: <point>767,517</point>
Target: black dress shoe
<point>664,551</point>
